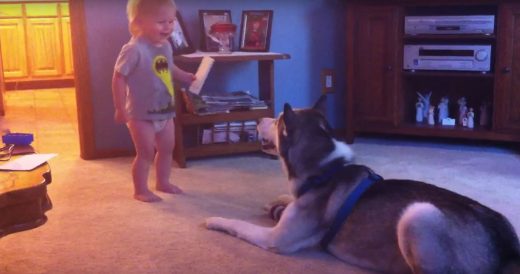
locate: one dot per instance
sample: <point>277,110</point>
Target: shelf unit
<point>188,124</point>
<point>381,95</point>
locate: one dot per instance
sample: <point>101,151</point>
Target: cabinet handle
<point>389,68</point>
<point>506,70</point>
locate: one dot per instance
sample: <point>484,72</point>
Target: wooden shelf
<point>192,119</point>
<point>477,133</point>
<point>439,131</point>
<point>222,149</point>
<point>444,130</point>
<point>184,120</point>
<point>435,73</point>
<point>237,56</point>
<point>449,37</point>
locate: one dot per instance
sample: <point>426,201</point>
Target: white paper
<point>27,162</point>
<point>201,74</point>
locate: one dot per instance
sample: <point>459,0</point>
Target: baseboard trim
<point>39,84</point>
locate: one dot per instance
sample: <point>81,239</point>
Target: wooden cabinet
<point>381,95</point>
<point>12,37</point>
<point>507,80</point>
<point>36,44</point>
<point>374,58</point>
<point>188,126</point>
<point>68,66</point>
<point>44,50</point>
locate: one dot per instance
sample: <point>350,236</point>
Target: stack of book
<point>226,102</point>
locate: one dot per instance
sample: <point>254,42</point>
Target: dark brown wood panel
<point>373,64</point>
<point>507,106</point>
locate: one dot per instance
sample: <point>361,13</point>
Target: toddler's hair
<point>137,8</point>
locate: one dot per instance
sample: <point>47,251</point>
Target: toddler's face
<point>158,26</point>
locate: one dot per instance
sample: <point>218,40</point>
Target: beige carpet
<point>96,227</point>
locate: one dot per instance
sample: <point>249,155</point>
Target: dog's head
<point>302,138</point>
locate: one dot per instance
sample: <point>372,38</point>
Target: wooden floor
<point>49,114</point>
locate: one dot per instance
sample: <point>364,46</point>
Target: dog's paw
<point>214,223</point>
<point>282,200</point>
<point>220,224</point>
<point>285,198</point>
<point>276,207</point>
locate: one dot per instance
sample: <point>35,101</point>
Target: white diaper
<point>159,125</point>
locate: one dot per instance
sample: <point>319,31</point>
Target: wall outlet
<point>328,81</point>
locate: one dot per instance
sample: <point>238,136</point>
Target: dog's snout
<point>264,125</point>
<point>264,121</point>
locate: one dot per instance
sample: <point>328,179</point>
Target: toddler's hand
<point>189,77</point>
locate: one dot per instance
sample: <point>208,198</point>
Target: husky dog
<point>393,226</point>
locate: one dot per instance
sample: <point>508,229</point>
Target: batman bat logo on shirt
<point>161,68</point>
<point>161,64</point>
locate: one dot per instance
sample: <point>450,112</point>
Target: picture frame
<point>255,30</point>
<point>208,18</point>
<point>179,39</point>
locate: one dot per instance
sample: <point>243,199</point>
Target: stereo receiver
<point>447,57</point>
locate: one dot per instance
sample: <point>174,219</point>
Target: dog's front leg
<point>291,233</point>
<point>254,234</point>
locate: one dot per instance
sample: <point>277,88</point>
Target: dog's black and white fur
<point>398,226</point>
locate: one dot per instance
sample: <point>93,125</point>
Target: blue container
<point>20,139</point>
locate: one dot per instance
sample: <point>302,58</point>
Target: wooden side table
<point>265,61</point>
<point>24,199</point>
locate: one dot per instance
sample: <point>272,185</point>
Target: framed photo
<point>255,30</point>
<point>208,18</point>
<point>179,39</point>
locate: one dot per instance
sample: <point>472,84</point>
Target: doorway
<point>37,91</point>
<point>36,46</point>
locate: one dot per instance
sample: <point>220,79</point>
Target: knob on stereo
<point>481,55</point>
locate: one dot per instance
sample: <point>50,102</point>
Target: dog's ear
<point>320,104</point>
<point>288,114</point>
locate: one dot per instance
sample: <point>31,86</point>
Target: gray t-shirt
<point>147,69</point>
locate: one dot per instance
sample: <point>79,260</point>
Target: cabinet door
<point>68,68</point>
<point>373,34</point>
<point>12,38</point>
<point>44,47</point>
<point>507,83</point>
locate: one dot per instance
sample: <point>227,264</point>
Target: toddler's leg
<point>143,134</point>
<point>165,140</point>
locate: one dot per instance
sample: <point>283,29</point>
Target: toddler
<point>143,93</point>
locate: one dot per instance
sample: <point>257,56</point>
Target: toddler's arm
<point>182,75</point>
<point>119,96</point>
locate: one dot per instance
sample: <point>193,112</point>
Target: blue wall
<point>311,31</point>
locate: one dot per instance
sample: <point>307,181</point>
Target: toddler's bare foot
<point>148,197</point>
<point>169,188</point>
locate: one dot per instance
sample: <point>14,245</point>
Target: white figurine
<point>431,119</point>
<point>425,99</point>
<point>471,117</point>
<point>419,113</point>
<point>484,114</point>
<point>463,110</point>
<point>443,109</point>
